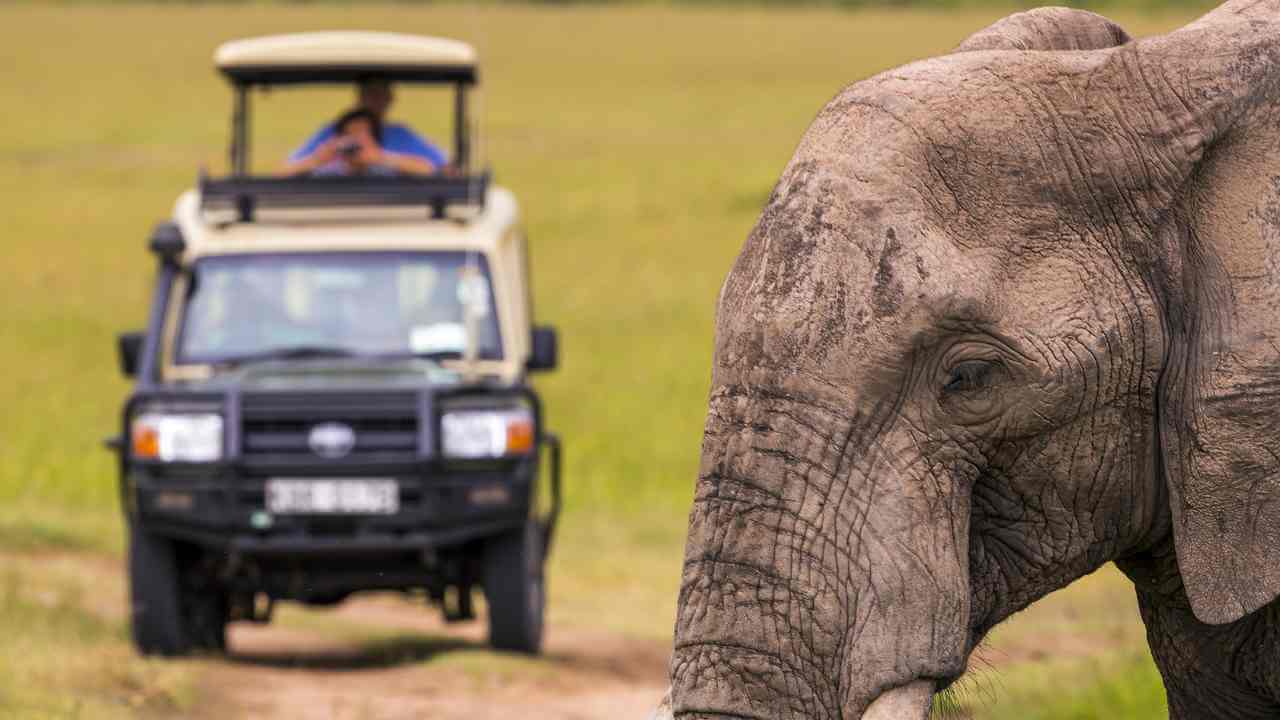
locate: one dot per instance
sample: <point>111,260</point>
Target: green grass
<point>641,141</point>
<point>1078,654</point>
<point>855,5</point>
<point>1116,684</point>
<point>61,659</point>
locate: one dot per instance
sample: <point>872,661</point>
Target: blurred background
<point>642,141</point>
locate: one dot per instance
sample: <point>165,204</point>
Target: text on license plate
<point>324,496</point>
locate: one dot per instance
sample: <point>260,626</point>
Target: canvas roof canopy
<point>322,57</point>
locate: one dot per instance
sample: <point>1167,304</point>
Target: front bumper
<point>225,509</point>
<point>442,502</point>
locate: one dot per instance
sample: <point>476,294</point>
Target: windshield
<point>244,307</point>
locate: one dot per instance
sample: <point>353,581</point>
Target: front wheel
<point>515,589</point>
<point>155,595</point>
<point>169,617</point>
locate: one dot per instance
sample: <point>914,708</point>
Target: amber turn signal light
<point>146,441</point>
<point>519,435</point>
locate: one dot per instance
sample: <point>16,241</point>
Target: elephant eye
<point>970,375</point>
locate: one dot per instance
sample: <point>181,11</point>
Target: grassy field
<point>641,141</point>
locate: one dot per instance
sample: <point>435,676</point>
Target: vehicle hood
<point>330,375</point>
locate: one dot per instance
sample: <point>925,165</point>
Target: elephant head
<point>1009,314</point>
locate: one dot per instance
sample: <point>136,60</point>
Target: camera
<point>349,149</point>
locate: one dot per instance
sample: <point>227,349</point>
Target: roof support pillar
<point>461,129</point>
<point>240,132</point>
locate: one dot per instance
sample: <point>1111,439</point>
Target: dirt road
<point>396,660</point>
<point>379,657</point>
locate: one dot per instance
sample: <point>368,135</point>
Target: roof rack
<point>345,57</point>
<point>246,195</point>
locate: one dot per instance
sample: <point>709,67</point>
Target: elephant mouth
<point>942,684</point>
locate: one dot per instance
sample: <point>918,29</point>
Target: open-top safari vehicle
<point>331,391</point>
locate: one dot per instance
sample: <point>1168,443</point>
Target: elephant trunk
<point>826,574</point>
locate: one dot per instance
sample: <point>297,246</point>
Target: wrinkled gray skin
<point>1010,314</point>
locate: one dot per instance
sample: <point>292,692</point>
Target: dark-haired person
<point>357,148</point>
<point>375,96</point>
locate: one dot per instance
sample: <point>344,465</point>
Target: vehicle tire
<point>515,589</point>
<point>155,596</point>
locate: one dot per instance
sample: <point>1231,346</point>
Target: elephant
<point>1009,314</point>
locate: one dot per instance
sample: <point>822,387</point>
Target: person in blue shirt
<point>361,142</point>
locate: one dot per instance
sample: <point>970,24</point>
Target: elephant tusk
<point>663,711</point>
<point>907,702</point>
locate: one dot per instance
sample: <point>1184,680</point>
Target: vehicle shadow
<point>601,657</point>
<point>359,655</point>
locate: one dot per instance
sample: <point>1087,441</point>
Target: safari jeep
<point>332,388</point>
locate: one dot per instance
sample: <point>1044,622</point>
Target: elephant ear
<point>1219,393</point>
<point>1048,28</point>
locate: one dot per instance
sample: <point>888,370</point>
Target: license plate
<point>333,496</point>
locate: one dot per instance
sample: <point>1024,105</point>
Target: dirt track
<point>381,657</point>
<point>282,672</point>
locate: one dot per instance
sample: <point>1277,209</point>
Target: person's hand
<point>328,150</point>
<point>370,154</point>
<point>321,156</point>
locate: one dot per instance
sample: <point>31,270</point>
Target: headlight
<point>486,433</point>
<point>177,437</point>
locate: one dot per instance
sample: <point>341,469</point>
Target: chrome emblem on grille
<point>331,440</point>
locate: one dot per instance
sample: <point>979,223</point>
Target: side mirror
<point>167,242</point>
<point>129,347</point>
<point>545,353</point>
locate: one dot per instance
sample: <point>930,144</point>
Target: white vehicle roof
<point>375,50</point>
<point>310,229</point>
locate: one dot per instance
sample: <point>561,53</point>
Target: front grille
<point>385,425</point>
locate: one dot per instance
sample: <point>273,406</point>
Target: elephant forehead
<point>831,277</point>
<point>845,256</point>
<point>1010,144</point>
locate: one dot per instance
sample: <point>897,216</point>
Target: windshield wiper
<point>296,352</point>
<point>438,355</point>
